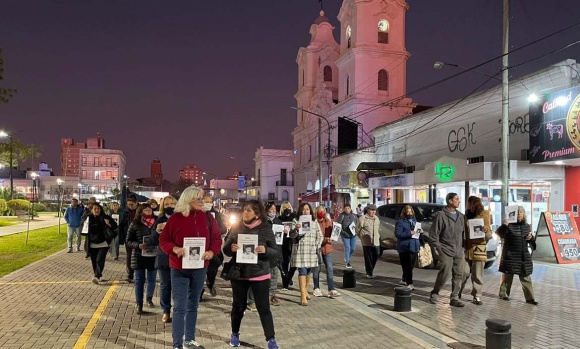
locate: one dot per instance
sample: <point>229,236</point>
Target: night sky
<point>208,82</point>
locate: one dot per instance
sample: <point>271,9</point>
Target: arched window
<point>284,195</point>
<point>327,73</point>
<point>383,80</point>
<point>347,86</point>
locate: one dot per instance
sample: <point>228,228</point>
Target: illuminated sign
<point>444,172</point>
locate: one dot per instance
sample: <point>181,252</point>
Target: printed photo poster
<point>150,251</point>
<point>511,213</point>
<point>352,229</point>
<point>195,248</point>
<point>115,217</point>
<point>305,221</point>
<point>418,231</point>
<point>247,244</point>
<point>476,227</point>
<point>336,229</point>
<point>287,228</point>
<point>278,230</point>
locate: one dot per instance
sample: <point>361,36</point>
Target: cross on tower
<point>321,6</point>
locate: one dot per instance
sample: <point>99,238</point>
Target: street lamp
<point>9,136</point>
<point>59,182</point>
<point>34,176</point>
<point>440,65</point>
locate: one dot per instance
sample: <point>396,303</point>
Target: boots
<point>308,278</point>
<point>139,308</point>
<point>302,280</point>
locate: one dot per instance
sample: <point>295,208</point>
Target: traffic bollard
<point>348,278</point>
<point>498,334</point>
<point>402,299</point>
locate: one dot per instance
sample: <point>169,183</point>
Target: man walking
<point>132,205</point>
<point>72,216</point>
<point>446,235</point>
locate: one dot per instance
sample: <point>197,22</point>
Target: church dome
<point>321,18</point>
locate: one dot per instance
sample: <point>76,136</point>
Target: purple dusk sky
<point>208,82</point>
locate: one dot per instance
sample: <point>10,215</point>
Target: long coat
<point>515,257</point>
<point>135,234</point>
<point>305,248</point>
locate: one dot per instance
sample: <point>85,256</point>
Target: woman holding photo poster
<point>305,246</point>
<point>324,255</point>
<point>188,221</point>
<point>287,217</point>
<point>515,256</point>
<point>139,231</point>
<point>253,276</point>
<point>272,219</point>
<point>475,249</point>
<point>407,243</point>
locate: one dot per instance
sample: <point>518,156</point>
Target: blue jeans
<point>140,283</point>
<point>186,287</point>
<point>349,247</point>
<point>304,271</point>
<point>329,272</point>
<point>165,285</point>
<point>72,232</point>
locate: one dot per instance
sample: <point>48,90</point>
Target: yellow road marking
<point>43,282</point>
<point>88,331</point>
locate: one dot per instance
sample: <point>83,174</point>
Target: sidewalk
<point>43,221</point>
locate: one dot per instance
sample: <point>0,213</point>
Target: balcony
<point>284,183</point>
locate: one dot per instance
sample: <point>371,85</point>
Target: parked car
<point>424,213</point>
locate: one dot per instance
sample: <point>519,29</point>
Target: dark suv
<point>424,213</point>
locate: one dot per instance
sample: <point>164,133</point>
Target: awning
<point>315,196</point>
<point>380,166</point>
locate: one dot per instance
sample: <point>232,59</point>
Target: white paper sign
<point>305,222</point>
<point>247,244</point>
<point>195,248</point>
<point>278,233</point>
<point>511,213</point>
<point>352,229</point>
<point>418,231</point>
<point>150,251</point>
<point>213,214</point>
<point>115,217</point>
<point>476,227</point>
<point>336,229</point>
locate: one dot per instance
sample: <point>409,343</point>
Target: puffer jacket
<point>405,241</point>
<point>97,227</point>
<point>476,250</point>
<point>265,238</point>
<point>162,259</point>
<point>135,234</point>
<point>515,257</point>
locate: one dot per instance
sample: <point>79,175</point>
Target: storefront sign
<point>554,130</point>
<point>444,172</point>
<point>564,235</point>
<point>356,180</point>
<point>391,181</point>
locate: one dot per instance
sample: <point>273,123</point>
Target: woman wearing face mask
<point>216,262</point>
<point>287,215</point>
<point>324,254</point>
<point>253,276</point>
<point>144,267</point>
<point>407,243</point>
<point>272,219</point>
<point>162,261</point>
<point>98,245</point>
<point>305,248</point>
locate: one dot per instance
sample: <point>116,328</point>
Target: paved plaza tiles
<point>53,304</point>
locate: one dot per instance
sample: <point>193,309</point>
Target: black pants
<point>98,257</point>
<point>212,269</point>
<point>130,271</point>
<point>408,260</point>
<point>286,280</point>
<point>371,254</point>
<point>261,290</point>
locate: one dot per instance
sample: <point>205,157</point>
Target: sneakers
<point>274,301</point>
<point>150,303</point>
<point>139,308</point>
<point>252,307</point>
<point>192,344</point>
<point>317,292</point>
<point>272,344</point>
<point>235,340</point>
<point>456,303</point>
<point>370,276</point>
<point>505,298</point>
<point>333,293</point>
<point>69,250</point>
<point>411,287</point>
<point>532,301</point>
<point>433,298</point>
<point>477,301</point>
<point>348,266</point>
<point>213,291</point>
<point>403,282</point>
<point>96,280</point>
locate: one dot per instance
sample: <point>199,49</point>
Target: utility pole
<point>505,112</point>
<point>320,160</point>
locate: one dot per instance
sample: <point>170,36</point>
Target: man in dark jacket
<point>346,218</point>
<point>122,219</point>
<point>446,234</point>
<point>72,216</point>
<point>131,212</point>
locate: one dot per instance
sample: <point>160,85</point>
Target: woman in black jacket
<point>515,257</point>
<point>287,216</point>
<point>162,259</point>
<point>253,276</point>
<point>272,219</point>
<point>98,243</point>
<point>140,239</point>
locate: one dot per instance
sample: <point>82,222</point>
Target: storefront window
<point>534,200</point>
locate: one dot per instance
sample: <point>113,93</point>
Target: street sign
<point>563,233</point>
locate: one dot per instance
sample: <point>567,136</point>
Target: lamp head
<point>438,65</point>
<point>59,181</point>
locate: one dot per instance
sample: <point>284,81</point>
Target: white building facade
<point>274,181</point>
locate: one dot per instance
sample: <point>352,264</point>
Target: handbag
<point>231,271</point>
<point>425,257</point>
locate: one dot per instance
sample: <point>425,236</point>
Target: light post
<point>320,154</point>
<point>9,135</point>
<point>59,182</point>
<point>33,175</point>
<point>93,190</point>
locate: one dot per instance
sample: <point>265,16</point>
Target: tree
<point>5,93</point>
<point>20,153</point>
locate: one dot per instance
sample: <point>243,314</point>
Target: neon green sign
<point>444,172</point>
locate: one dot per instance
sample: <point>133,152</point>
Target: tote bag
<point>425,257</point>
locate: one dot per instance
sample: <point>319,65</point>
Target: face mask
<point>287,212</point>
<point>207,207</point>
<point>250,221</point>
<point>321,215</point>
<point>169,211</point>
<point>408,215</point>
<point>271,215</point>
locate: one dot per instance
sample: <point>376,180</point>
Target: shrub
<point>18,205</point>
<point>39,207</point>
<point>3,207</point>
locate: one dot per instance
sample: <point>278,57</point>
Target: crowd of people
<point>159,238</point>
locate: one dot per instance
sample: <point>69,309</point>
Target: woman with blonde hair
<point>324,255</point>
<point>287,215</point>
<point>162,262</point>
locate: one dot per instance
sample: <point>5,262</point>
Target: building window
<point>109,162</point>
<point>347,86</point>
<point>383,36</point>
<point>383,80</point>
<point>348,36</point>
<point>96,161</point>
<point>271,196</point>
<point>327,73</point>
<point>303,77</point>
<point>84,161</point>
<point>310,153</point>
<point>284,195</point>
<point>97,175</point>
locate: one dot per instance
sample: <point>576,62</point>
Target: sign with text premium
<point>563,234</point>
<point>554,131</point>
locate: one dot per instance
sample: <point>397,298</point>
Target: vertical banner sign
<point>564,235</point>
<point>241,183</point>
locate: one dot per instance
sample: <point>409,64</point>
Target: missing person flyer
<point>247,244</point>
<point>194,249</point>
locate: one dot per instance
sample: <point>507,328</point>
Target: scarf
<point>147,221</point>
<point>253,224</point>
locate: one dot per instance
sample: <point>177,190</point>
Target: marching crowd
<point>158,240</point>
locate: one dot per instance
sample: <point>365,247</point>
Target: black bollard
<point>498,334</point>
<point>348,278</point>
<point>402,299</point>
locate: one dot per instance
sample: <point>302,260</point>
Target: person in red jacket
<point>188,221</point>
